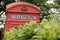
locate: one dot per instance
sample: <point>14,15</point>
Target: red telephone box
<point>19,13</point>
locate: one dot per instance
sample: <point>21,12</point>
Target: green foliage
<point>9,1</point>
<point>55,17</point>
<point>57,1</point>
<point>46,30</point>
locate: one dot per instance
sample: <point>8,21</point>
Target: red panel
<point>19,9</point>
<point>18,5</point>
<point>14,24</point>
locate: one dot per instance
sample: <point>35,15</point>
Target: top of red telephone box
<point>19,7</point>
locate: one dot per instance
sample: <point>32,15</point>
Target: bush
<point>46,30</point>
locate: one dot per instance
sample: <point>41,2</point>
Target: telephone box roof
<point>21,3</point>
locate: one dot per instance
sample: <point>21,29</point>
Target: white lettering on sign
<point>24,17</point>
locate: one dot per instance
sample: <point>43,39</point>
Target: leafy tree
<point>57,1</point>
<point>9,1</point>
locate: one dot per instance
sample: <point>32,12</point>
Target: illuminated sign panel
<point>31,17</point>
